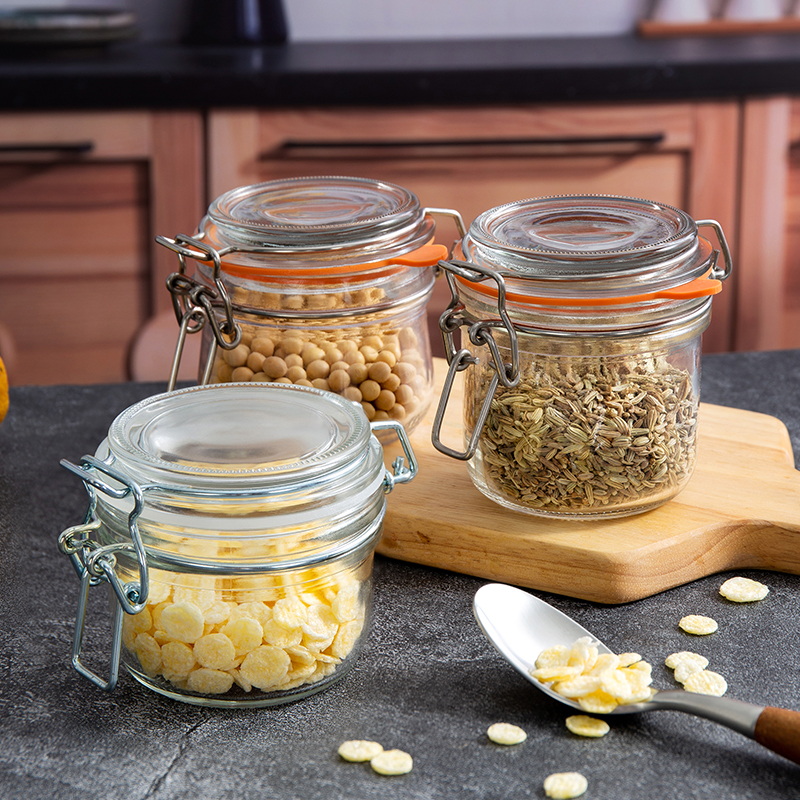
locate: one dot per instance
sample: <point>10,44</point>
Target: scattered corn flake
<point>506,733</point>
<point>359,750</point>
<point>183,622</point>
<point>209,681</point>
<point>698,625</point>
<point>706,682</point>
<point>565,785</point>
<point>685,669</point>
<point>685,656</point>
<point>392,762</point>
<point>743,590</point>
<point>581,725</point>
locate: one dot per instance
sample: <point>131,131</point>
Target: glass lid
<point>589,243</point>
<point>322,212</point>
<point>218,435</point>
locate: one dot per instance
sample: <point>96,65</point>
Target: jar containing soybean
<point>235,526</point>
<point>320,282</point>
<point>582,319</point>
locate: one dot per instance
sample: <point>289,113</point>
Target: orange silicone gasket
<point>426,256</point>
<point>699,287</point>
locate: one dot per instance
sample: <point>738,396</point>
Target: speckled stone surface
<point>427,681</point>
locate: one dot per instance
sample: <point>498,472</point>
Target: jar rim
<point>589,246</point>
<point>360,216</point>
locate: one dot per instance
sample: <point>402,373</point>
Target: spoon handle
<point>778,729</point>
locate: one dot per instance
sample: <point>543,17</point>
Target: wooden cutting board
<point>741,508</point>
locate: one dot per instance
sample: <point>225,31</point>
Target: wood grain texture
<point>741,508</point>
<point>779,730</point>
<point>763,214</point>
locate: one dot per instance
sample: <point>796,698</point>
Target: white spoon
<point>520,626</point>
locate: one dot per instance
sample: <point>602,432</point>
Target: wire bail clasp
<point>194,302</point>
<point>96,564</point>
<point>480,333</point>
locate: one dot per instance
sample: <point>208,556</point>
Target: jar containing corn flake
<point>320,282</point>
<point>235,525</point>
<point>582,321</point>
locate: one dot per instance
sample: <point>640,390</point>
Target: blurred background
<point>105,144</point>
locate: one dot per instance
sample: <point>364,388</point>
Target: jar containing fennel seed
<point>581,320</point>
<point>320,281</point>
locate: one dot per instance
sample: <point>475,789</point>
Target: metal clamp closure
<point>400,472</point>
<point>480,333</point>
<point>720,275</point>
<point>96,564</point>
<point>194,302</point>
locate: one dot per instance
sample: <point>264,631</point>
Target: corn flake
<point>581,725</point>
<point>698,625</point>
<point>359,750</point>
<point>685,656</point>
<point>565,785</point>
<point>505,733</point>
<point>183,622</point>
<point>209,681</point>
<point>215,651</point>
<point>265,667</point>
<point>392,762</point>
<point>598,682</point>
<point>706,682</point>
<point>743,590</point>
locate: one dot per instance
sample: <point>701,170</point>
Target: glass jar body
<point>215,634</point>
<point>600,424</point>
<point>368,343</point>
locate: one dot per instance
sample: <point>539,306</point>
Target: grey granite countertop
<point>400,73</point>
<point>427,681</point>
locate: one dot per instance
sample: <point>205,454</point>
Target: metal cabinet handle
<point>317,148</point>
<point>39,148</point>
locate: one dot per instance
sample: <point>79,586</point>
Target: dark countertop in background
<point>612,68</point>
<point>427,681</point>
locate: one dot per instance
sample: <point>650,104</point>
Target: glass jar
<point>236,526</point>
<point>583,320</point>
<point>320,282</point>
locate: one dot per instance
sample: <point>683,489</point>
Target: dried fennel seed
<point>595,435</point>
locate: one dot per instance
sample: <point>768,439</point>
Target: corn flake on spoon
<point>520,626</point>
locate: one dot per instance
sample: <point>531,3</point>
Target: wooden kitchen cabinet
<point>768,315</point>
<point>81,197</point>
<point>471,159</point>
